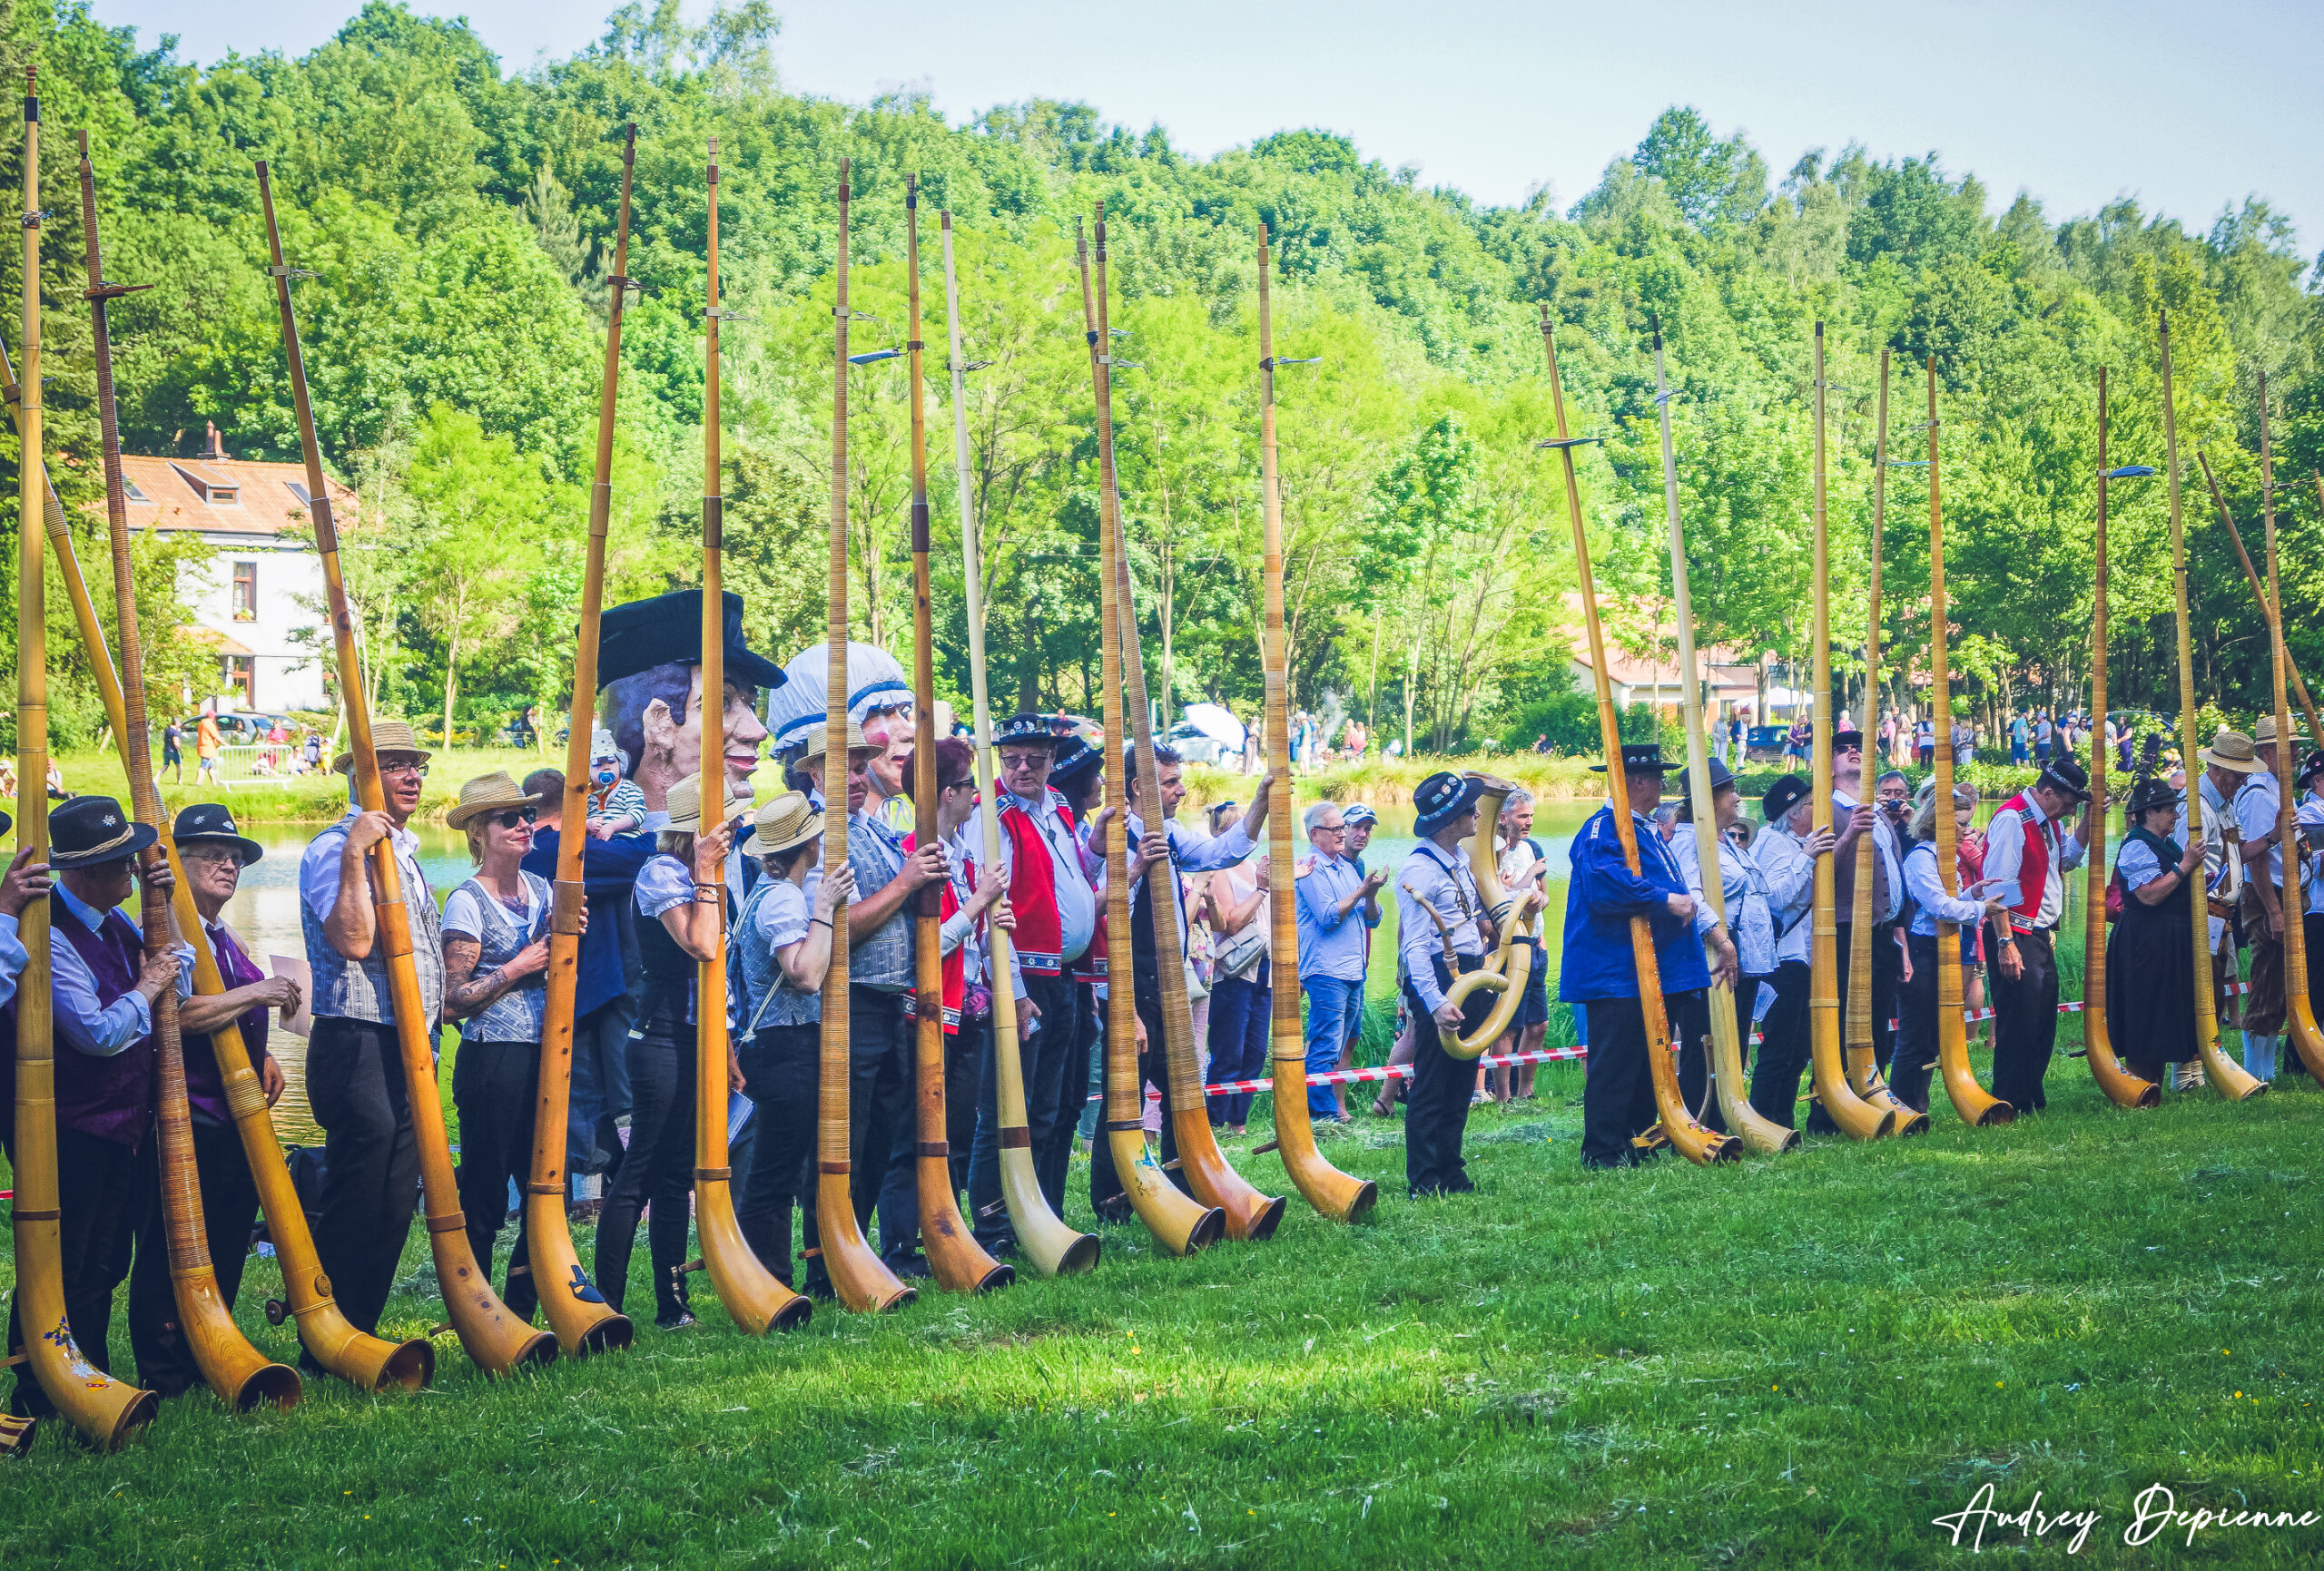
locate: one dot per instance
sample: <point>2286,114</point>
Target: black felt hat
<point>2313,764</point>
<point>86,831</point>
<point>1075,762</point>
<point>214,821</point>
<point>1782,797</point>
<point>1442,798</point>
<point>2067,775</point>
<point>1640,758</point>
<point>2150,794</point>
<point>1850,739</point>
<point>1020,730</point>
<point>645,633</point>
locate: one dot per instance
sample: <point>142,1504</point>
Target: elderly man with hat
<point>2028,849</point>
<point>102,987</point>
<point>213,852</point>
<point>1440,933</point>
<point>880,979</point>
<point>1599,973</point>
<point>1784,853</point>
<point>355,1080</point>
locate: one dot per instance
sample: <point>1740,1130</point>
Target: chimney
<point>212,447</point>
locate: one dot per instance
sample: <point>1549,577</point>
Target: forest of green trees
<point>457,218</point>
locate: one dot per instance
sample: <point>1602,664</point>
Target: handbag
<point>1240,956</point>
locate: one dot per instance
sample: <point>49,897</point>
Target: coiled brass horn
<point>1510,967</point>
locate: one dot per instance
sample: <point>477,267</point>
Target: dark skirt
<point>2150,983</point>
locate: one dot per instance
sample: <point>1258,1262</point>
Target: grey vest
<point>885,960</point>
<point>515,1014</point>
<point>357,989</point>
<point>762,975</point>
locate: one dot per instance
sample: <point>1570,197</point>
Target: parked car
<point>239,727</point>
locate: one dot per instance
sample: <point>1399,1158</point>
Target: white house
<point>260,588</point>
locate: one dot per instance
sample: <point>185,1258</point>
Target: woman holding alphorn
<point>2149,966</point>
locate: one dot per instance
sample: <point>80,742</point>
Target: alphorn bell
<point>108,1411</point>
<point>2121,1087</point>
<point>1054,1248</point>
<point>1333,1194</point>
<point>1250,1216</point>
<point>1510,967</point>
<point>1976,1106</point>
<point>1695,1142</point>
<point>1735,1109</point>
<point>356,1357</point>
<point>861,1278</point>
<point>494,1339</point>
<point>2299,1017</point>
<point>754,1297</point>
<point>577,1313</point>
<point>240,1375</point>
<point>1857,1119</point>
<point>2226,1075</point>
<point>1859,1040</point>
<point>1179,1223</point>
<point>956,1261</point>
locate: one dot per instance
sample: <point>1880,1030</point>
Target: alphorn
<point>2260,595</point>
<point>754,1298</point>
<point>1250,1216</point>
<point>2299,1016</point>
<point>356,1357</point>
<point>862,1280</point>
<point>2228,1077</point>
<point>1053,1248</point>
<point>1694,1141</point>
<point>1177,1222</point>
<point>1333,1194</point>
<point>494,1339</point>
<point>240,1375</point>
<point>1734,1107</point>
<point>577,1313</point>
<point>1510,967</point>
<point>1976,1106</point>
<point>2121,1087</point>
<point>1858,1039</point>
<point>956,1260</point>
<point>1857,1119</point>
<point>108,1411</point>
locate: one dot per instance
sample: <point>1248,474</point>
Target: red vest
<point>2033,867</point>
<point>1032,888</point>
<point>956,967</point>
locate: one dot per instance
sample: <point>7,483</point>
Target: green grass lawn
<point>1794,1361</point>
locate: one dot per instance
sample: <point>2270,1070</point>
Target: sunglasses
<point>514,816</point>
<point>958,785</point>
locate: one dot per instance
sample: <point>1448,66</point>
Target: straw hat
<point>488,793</point>
<point>387,736</point>
<point>790,820</point>
<point>2232,750</point>
<point>685,805</point>
<point>818,742</point>
<point>2264,733</point>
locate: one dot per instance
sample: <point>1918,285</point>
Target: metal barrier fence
<point>248,764</point>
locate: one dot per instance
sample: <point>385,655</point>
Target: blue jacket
<point>1599,901</point>
<point>609,870</point>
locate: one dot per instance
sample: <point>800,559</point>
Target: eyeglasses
<point>231,854</point>
<point>514,816</point>
<point>416,770</point>
<point>1328,830</point>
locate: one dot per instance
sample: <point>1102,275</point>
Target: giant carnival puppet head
<point>649,680</point>
<point>879,700</point>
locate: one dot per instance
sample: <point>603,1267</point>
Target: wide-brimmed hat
<point>1026,729</point>
<point>668,629</point>
<point>818,740</point>
<point>2231,751</point>
<point>2150,794</point>
<point>1443,798</point>
<point>86,831</point>
<point>387,736</point>
<point>1783,796</point>
<point>2263,735</point>
<point>214,821</point>
<point>683,805</point>
<point>790,820</point>
<point>1640,758</point>
<point>2067,775</point>
<point>487,794</point>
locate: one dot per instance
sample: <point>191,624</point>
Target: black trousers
<point>355,1085</point>
<point>1153,1069</point>
<point>2025,1022</point>
<point>103,1190</point>
<point>1917,1025</point>
<point>1783,1046</point>
<point>495,1086</point>
<point>656,1174</point>
<point>964,1055</point>
<point>1887,976</point>
<point>1437,1109</point>
<point>1057,1078</point>
<point>781,1072</point>
<point>1618,1097</point>
<point>1692,1023</point>
<point>229,1212</point>
<point>879,1103</point>
<point>900,1191</point>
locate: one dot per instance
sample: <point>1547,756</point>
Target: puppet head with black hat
<point>92,844</point>
<point>649,680</point>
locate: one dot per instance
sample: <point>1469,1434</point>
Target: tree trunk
<point>451,681</point>
<point>1411,681</point>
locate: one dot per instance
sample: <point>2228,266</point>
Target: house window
<point>246,592</point>
<point>239,673</point>
<point>129,489</point>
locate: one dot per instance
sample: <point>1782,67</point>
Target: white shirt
<point>13,959</point>
<point>2311,819</point>
<point>1441,880</point>
<point>319,867</point>
<point>1742,896</point>
<point>98,1030</point>
<point>462,915</point>
<point>1928,894</point>
<point>1076,873</point>
<point>1189,853</point>
<point>1789,874</point>
<point>2006,854</point>
<point>2255,820</point>
<point>2136,865</point>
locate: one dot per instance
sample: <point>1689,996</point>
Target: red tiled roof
<point>221,496</point>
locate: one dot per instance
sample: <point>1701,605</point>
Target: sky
<point>2188,109</point>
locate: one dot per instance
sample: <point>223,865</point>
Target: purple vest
<point>110,1098</point>
<point>205,1087</point>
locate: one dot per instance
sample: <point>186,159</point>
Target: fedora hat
<point>206,822</point>
<point>85,830</point>
<point>387,736</point>
<point>2066,775</point>
<point>685,806</point>
<point>790,820</point>
<point>2231,751</point>
<point>818,742</point>
<point>487,794</point>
